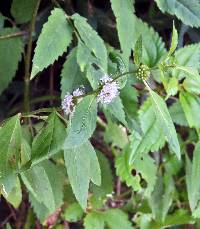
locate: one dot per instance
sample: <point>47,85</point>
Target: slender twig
<point>13,35</point>
<point>28,59</point>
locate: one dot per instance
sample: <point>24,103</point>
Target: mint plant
<point>117,145</point>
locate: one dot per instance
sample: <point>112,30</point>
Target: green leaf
<point>116,218</point>
<point>15,196</point>
<point>174,41</point>
<point>10,54</point>
<point>22,10</point>
<point>71,75</point>
<point>123,11</point>
<point>138,51</point>
<point>187,56</point>
<point>166,123</point>
<point>41,211</point>
<point>50,140</point>
<point>192,176</point>
<point>177,114</point>
<point>106,187</point>
<point>81,163</point>
<point>56,35</point>
<point>73,213</point>
<point>191,107</point>
<point>45,176</point>
<point>163,192</point>
<point>151,138</point>
<point>91,40</point>
<point>116,109</point>
<point>94,220</point>
<point>145,166</point>
<point>186,11</point>
<point>171,86</point>
<point>124,171</point>
<point>115,135</point>
<point>153,48</point>
<point>10,145</point>
<point>83,122</point>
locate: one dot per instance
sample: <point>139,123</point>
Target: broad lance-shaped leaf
<point>166,122</point>
<point>174,41</point>
<point>151,137</point>
<point>138,51</point>
<point>22,10</point>
<point>123,11</point>
<point>10,144</point>
<point>186,11</point>
<point>91,40</point>
<point>10,54</point>
<point>191,107</point>
<point>71,76</point>
<point>187,56</point>
<point>56,35</point>
<point>82,166</point>
<point>192,176</point>
<point>82,123</point>
<point>45,183</point>
<point>113,218</point>
<point>145,169</point>
<point>50,140</point>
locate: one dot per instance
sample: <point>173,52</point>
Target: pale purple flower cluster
<point>109,91</point>
<point>68,104</point>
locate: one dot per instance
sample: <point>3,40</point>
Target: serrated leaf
<point>45,176</point>
<point>116,109</point>
<point>71,76</point>
<point>94,220</point>
<point>116,218</point>
<point>143,167</point>
<point>163,192</point>
<point>115,135</point>
<point>164,118</point>
<point>174,41</point>
<point>83,122</point>
<point>151,138</point>
<point>10,144</point>
<point>138,51</point>
<point>56,35</point>
<point>10,54</point>
<point>188,56</point>
<point>91,40</point>
<point>123,11</point>
<point>15,196</point>
<point>191,107</point>
<point>106,187</point>
<point>186,11</point>
<point>171,86</point>
<point>22,10</point>
<point>177,114</point>
<point>73,213</point>
<point>124,171</point>
<point>50,140</point>
<point>153,48</point>
<point>81,162</point>
<point>192,175</point>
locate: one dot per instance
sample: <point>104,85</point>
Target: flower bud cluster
<point>143,72</point>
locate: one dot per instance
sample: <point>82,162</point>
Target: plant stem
<point>28,60</point>
<point>13,35</point>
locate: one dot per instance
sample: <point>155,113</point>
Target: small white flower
<point>78,92</point>
<point>105,79</point>
<point>109,91</point>
<point>68,104</point>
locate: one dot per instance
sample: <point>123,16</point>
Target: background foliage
<point>132,163</point>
